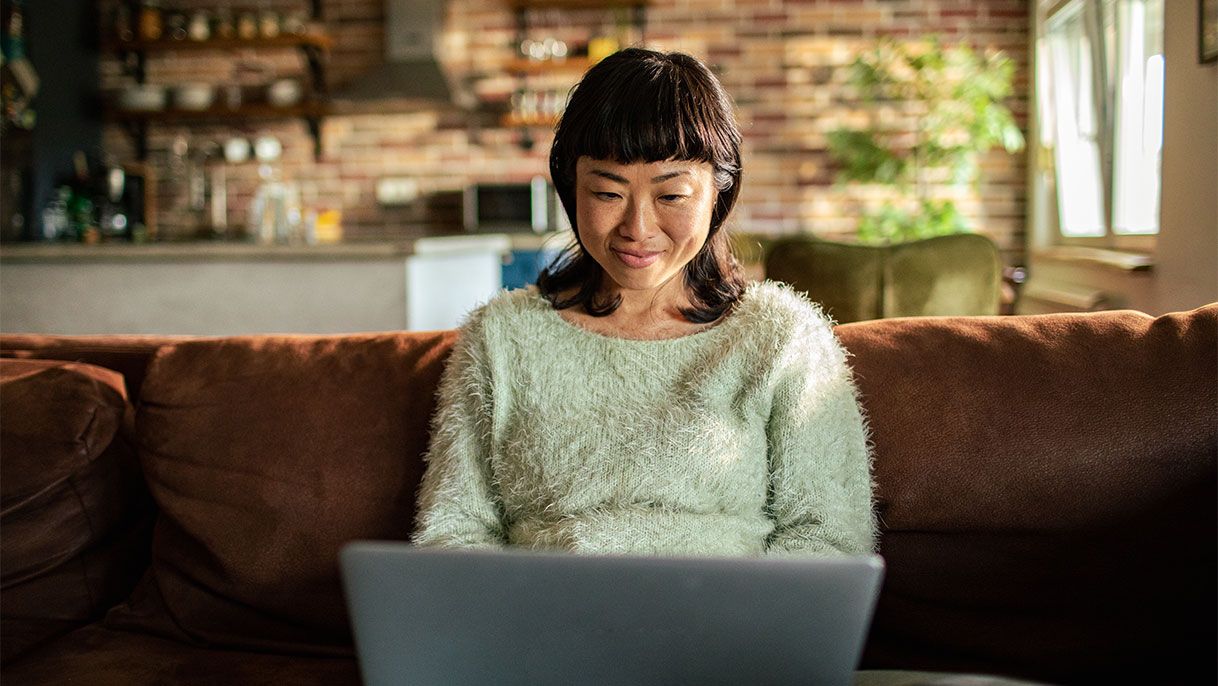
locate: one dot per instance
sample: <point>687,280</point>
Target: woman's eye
<point>605,195</point>
<point>671,198</point>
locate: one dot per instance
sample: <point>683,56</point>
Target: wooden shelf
<point>575,4</point>
<point>309,40</point>
<point>135,53</point>
<point>572,65</point>
<point>221,113</point>
<point>515,121</point>
<point>137,122</point>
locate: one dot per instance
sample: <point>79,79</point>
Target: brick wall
<point>783,61</point>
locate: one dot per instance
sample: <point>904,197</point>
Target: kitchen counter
<point>227,251</point>
<point>216,288</point>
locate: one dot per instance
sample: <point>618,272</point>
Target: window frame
<point>1045,215</point>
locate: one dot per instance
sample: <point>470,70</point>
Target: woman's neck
<point>639,315</point>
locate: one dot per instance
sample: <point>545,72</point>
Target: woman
<point>642,399</point>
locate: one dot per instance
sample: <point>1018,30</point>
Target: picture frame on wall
<point>1207,31</point>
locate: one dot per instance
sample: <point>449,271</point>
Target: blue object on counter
<point>521,267</point>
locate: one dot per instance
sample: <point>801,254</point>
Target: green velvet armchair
<point>959,274</point>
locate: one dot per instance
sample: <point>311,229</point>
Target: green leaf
<point>958,94</point>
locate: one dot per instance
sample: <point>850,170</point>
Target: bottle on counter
<point>82,211</point>
<point>111,214</point>
<point>55,224</point>
<point>82,224</point>
<point>276,214</point>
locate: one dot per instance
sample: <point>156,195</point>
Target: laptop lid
<point>441,616</point>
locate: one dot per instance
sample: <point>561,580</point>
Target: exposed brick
<point>783,62</point>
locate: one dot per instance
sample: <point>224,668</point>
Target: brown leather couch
<point>172,508</point>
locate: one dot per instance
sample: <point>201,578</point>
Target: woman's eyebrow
<point>669,175</point>
<point>623,180</point>
<point>609,175</point>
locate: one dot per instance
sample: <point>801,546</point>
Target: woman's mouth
<point>636,260</point>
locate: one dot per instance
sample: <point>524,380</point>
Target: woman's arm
<point>458,505</point>
<point>820,494</point>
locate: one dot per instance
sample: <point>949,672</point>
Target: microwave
<point>527,207</point>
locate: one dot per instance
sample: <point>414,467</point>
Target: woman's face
<point>643,222</point>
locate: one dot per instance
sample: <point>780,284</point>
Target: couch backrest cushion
<point>127,355</point>
<point>73,510</point>
<point>1046,486</point>
<point>265,455</point>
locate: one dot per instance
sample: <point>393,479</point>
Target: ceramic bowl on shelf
<point>194,96</point>
<point>267,148</point>
<point>236,150</point>
<point>284,92</point>
<point>142,98</point>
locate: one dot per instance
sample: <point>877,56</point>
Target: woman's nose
<point>637,222</point>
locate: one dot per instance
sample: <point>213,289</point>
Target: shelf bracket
<point>314,124</point>
<point>522,26</point>
<point>314,57</point>
<point>138,130</point>
<point>638,12</point>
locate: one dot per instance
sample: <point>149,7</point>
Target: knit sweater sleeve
<point>820,493</point>
<point>458,505</point>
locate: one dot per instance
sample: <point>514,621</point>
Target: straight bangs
<point>659,123</point>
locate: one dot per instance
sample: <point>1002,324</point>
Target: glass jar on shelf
<point>268,24</point>
<point>152,20</point>
<point>295,23</point>
<point>225,26</point>
<point>175,25</point>
<point>199,27</point>
<point>247,25</point>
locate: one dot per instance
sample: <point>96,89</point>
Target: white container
<point>194,96</point>
<point>236,150</point>
<point>142,98</point>
<point>284,93</point>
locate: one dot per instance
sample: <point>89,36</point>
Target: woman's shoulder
<point>786,327</point>
<point>503,311</point>
<point>778,307</point>
<point>506,303</point>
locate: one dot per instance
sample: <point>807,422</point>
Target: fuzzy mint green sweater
<point>742,439</point>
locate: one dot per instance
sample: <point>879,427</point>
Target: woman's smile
<point>637,259</point>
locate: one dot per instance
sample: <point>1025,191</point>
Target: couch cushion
<point>1046,487</point>
<point>99,656</point>
<point>73,509</point>
<point>128,355</point>
<point>265,455</point>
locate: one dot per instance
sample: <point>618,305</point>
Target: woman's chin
<point>637,280</point>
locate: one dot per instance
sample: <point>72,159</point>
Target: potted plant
<point>932,111</point>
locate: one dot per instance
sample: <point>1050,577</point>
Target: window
<point>1099,73</point>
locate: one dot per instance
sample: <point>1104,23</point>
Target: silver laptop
<point>426,616</point>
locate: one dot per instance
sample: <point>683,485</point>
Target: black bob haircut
<point>640,105</point>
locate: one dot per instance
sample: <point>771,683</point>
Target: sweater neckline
<point>723,322</point>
